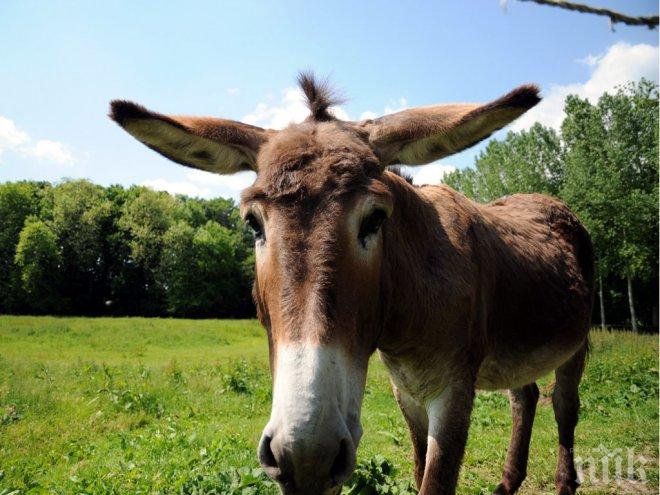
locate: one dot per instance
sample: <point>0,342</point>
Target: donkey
<point>352,258</point>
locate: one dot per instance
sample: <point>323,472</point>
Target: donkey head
<point>319,208</point>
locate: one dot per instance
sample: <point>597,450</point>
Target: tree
<point>95,250</point>
<point>630,118</point>
<point>202,271</point>
<point>125,279</point>
<point>39,261</point>
<point>588,186</point>
<point>18,201</point>
<point>178,271</point>
<point>145,218</point>
<point>197,212</point>
<point>79,213</point>
<point>526,161</point>
<point>611,155</point>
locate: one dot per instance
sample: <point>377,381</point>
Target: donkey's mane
<point>404,174</point>
<point>320,96</point>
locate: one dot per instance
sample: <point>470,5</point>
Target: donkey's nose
<point>307,466</point>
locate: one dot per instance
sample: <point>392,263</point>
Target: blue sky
<point>63,61</point>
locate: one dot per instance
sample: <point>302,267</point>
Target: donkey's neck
<point>428,267</point>
<point>409,238</point>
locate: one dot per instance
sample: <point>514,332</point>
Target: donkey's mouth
<point>310,443</point>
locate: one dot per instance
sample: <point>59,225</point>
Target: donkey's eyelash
<point>256,226</point>
<point>371,225</point>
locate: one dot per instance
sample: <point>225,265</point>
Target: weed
<point>238,378</point>
<point>130,401</point>
<point>174,373</point>
<point>11,415</point>
<point>376,476</point>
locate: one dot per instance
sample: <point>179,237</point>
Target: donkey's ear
<point>214,145</point>
<point>422,135</point>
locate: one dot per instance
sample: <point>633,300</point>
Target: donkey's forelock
<point>320,96</point>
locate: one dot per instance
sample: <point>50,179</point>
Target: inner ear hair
<point>422,135</point>
<point>205,143</point>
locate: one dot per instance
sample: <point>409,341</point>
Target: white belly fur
<point>509,371</point>
<point>497,372</point>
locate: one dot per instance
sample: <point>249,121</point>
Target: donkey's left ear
<point>422,135</point>
<point>214,145</point>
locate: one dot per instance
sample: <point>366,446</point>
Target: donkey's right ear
<point>214,145</point>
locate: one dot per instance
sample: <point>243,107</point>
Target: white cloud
<point>177,187</point>
<point>368,115</point>
<point>14,139</point>
<point>590,60</point>
<point>233,91</point>
<point>198,183</point>
<point>290,108</point>
<point>433,173</point>
<point>10,135</point>
<point>52,151</point>
<point>340,113</point>
<point>622,63</point>
<point>236,182</point>
<point>400,104</point>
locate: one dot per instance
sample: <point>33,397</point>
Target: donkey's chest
<point>421,378</point>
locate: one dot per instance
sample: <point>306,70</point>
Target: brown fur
<point>319,95</point>
<point>456,296</point>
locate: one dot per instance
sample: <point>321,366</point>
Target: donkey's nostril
<point>267,458</point>
<point>342,466</point>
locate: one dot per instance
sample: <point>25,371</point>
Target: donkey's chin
<point>309,445</point>
<point>317,463</point>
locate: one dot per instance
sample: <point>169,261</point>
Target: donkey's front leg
<point>449,420</point>
<point>418,423</point>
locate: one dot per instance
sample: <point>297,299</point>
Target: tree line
<point>603,163</point>
<point>79,248</point>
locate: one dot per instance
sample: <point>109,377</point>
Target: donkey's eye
<point>371,225</point>
<point>256,227</point>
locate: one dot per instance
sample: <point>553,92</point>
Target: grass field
<point>133,405</point>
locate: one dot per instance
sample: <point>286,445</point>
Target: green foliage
<point>10,415</point>
<point>80,212</point>
<point>237,481</point>
<point>238,379</point>
<point>528,161</point>
<point>131,401</point>
<point>376,476</point>
<point>38,258</point>
<point>121,251</point>
<point>637,382</point>
<point>611,155</point>
<point>18,201</point>
<point>146,218</point>
<point>136,405</point>
<point>201,270</point>
<point>79,248</point>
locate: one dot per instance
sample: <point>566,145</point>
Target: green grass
<point>132,405</point>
